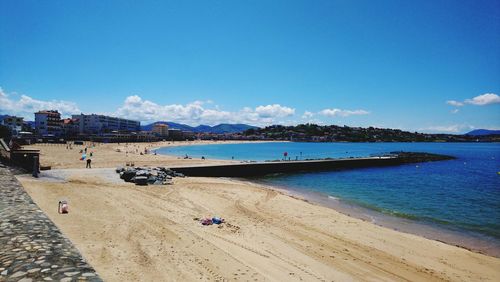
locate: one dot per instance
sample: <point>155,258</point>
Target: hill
<point>231,128</point>
<point>219,129</point>
<point>482,132</point>
<point>334,133</point>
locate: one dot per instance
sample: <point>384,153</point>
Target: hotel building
<point>48,122</point>
<point>98,124</point>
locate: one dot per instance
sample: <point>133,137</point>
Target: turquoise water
<point>461,195</point>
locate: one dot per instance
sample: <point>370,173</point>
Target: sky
<point>430,65</point>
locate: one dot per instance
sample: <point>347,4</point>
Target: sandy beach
<point>130,233</point>
<point>118,154</point>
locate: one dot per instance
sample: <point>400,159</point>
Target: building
<point>160,129</point>
<point>70,127</point>
<point>147,136</point>
<point>175,134</point>
<point>188,135</point>
<point>99,124</point>
<point>15,124</point>
<point>48,123</point>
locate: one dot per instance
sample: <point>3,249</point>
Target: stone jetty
<point>264,168</point>
<point>32,248</point>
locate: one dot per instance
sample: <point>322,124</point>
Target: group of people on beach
<point>87,158</point>
<point>136,150</point>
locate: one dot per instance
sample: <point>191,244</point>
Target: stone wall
<point>31,247</point>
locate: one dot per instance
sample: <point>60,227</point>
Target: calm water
<point>461,195</point>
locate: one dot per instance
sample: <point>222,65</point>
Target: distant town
<point>48,126</point>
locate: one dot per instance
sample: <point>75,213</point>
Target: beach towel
<point>206,221</point>
<point>217,220</point>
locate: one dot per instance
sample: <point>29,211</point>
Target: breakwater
<point>263,168</point>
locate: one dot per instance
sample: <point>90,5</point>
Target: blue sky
<point>360,63</point>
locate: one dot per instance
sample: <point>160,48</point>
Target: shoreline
<point>426,230</point>
<point>209,142</point>
<point>467,240</point>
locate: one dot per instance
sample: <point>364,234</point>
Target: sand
<point>130,232</point>
<point>116,154</point>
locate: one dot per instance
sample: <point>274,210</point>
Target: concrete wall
<point>256,169</point>
<point>21,158</point>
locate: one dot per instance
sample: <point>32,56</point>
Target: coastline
<point>475,243</point>
<point>468,240</point>
<point>329,244</point>
<point>208,142</point>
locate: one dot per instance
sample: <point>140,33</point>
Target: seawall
<point>263,168</point>
<point>32,248</point>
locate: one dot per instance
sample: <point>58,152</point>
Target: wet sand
<point>474,242</point>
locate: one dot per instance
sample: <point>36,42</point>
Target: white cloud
<point>197,112</point>
<point>134,107</point>
<point>454,103</point>
<point>485,99</point>
<point>480,100</point>
<point>454,111</point>
<point>307,115</point>
<point>194,113</point>
<point>275,110</point>
<point>342,113</point>
<point>25,106</point>
<point>454,128</point>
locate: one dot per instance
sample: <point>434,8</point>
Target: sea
<point>454,201</point>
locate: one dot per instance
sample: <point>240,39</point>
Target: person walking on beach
<point>89,161</point>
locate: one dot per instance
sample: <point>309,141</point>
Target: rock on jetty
<point>31,247</point>
<point>146,175</point>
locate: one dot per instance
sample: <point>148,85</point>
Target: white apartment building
<point>48,122</point>
<point>99,124</point>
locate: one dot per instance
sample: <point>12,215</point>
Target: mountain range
<point>482,132</point>
<point>218,129</point>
